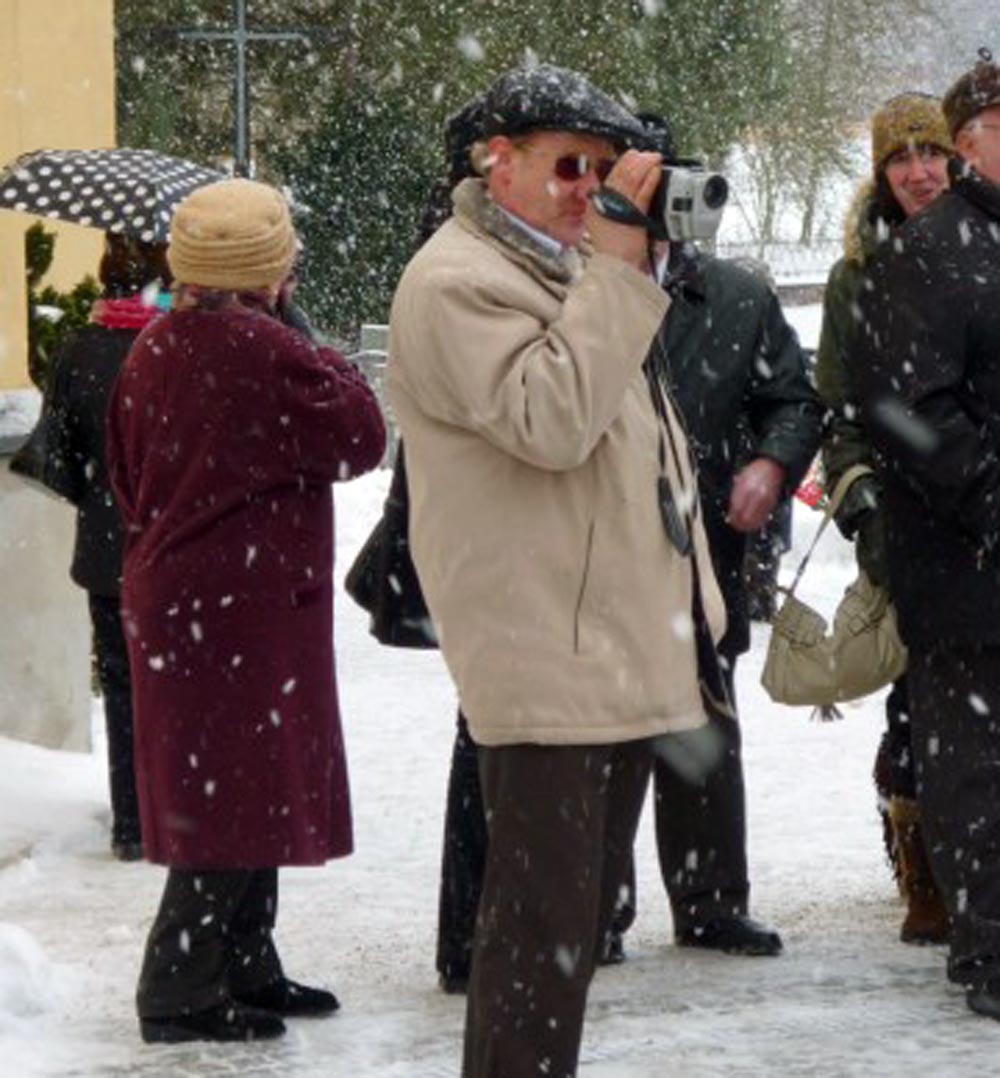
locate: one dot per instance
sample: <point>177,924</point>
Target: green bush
<point>66,312</point>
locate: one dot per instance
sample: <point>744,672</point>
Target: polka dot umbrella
<point>120,190</point>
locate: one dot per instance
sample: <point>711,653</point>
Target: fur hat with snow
<point>976,90</point>
<point>235,235</point>
<point>910,119</point>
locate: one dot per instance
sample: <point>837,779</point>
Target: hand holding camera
<point>687,203</point>
<point>634,178</point>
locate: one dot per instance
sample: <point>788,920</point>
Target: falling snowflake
<point>470,47</point>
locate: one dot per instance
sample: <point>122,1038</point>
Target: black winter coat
<point>84,371</point>
<point>738,375</point>
<point>928,371</point>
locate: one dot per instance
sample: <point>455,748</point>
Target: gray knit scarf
<point>477,210</point>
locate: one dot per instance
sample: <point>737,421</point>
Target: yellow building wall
<point>57,89</point>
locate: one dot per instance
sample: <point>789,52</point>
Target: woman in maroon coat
<point>225,431</point>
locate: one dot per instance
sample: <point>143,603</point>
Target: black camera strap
<point>660,396</point>
<point>616,207</point>
<point>715,692</point>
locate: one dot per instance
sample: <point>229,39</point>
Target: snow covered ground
<point>846,998</point>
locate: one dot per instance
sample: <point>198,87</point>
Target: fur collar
<point>860,236</point>
<point>478,212</point>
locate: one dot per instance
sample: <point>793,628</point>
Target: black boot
<point>290,1000</point>
<point>127,851</point>
<point>985,1000</point>
<point>454,983</point>
<point>612,949</point>
<point>228,1022</point>
<point>737,934</point>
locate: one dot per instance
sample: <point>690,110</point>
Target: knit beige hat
<point>911,119</point>
<point>235,234</point>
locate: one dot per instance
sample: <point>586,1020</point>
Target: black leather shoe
<point>738,934</point>
<point>612,953</point>
<point>985,1000</point>
<point>227,1022</point>
<point>290,1000</point>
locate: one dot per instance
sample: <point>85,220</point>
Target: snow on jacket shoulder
<point>563,611</point>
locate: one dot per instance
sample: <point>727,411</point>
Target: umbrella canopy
<point>121,190</point>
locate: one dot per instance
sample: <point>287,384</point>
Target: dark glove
<point>863,496</point>
<point>870,547</point>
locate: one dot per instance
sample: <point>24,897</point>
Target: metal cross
<point>239,36</point>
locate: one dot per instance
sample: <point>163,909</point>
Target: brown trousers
<point>561,820</point>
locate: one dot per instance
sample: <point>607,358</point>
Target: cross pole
<point>240,37</point>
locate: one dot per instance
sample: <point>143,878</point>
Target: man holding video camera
<point>554,538</point>
<point>738,377</point>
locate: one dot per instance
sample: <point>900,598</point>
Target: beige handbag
<point>862,653</point>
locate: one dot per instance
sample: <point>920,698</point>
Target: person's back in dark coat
<point>71,434</point>
<point>735,369</point>
<point>737,372</point>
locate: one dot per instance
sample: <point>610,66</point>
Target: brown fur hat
<point>910,119</point>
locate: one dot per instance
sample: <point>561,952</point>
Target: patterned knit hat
<point>911,119</point>
<point>546,97</point>
<point>235,235</point>
<point>976,90</point>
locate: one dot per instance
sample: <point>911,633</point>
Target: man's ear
<point>967,145</point>
<point>500,152</point>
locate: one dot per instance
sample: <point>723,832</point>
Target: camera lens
<point>715,192</point>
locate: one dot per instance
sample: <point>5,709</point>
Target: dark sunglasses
<point>574,166</point>
<point>571,167</point>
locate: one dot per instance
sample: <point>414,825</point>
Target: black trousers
<point>700,807</point>
<point>116,688</point>
<point>955,713</point>
<point>463,858</point>
<point>560,824</point>
<point>211,940</point>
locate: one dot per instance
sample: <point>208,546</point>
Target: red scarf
<point>129,313</point>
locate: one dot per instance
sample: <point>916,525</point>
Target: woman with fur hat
<point>910,150</point>
<point>225,432</point>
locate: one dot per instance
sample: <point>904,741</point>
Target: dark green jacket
<point>846,442</point>
<point>739,378</point>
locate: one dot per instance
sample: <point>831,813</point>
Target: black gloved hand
<point>863,496</point>
<point>870,547</point>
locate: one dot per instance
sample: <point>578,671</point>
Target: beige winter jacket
<point>562,610</point>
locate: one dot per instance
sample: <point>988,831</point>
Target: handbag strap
<point>839,493</point>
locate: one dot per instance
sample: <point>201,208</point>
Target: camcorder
<point>687,204</point>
